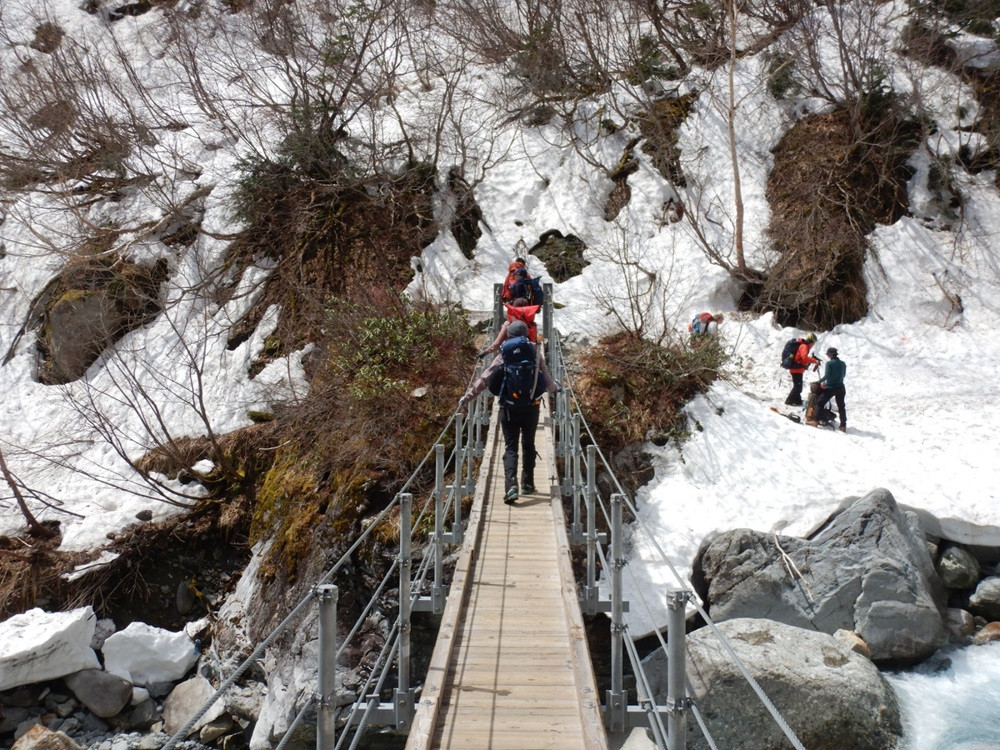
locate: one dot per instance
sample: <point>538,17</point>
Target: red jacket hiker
<point>803,359</point>
<point>507,293</point>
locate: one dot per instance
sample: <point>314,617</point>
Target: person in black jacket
<point>518,422</point>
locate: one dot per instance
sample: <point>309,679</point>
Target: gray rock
<point>70,725</point>
<point>102,630</point>
<point>866,572</point>
<point>41,738</point>
<point>159,689</point>
<point>215,729</point>
<point>153,741</point>
<point>144,515</point>
<point>985,600</point>
<point>91,723</point>
<point>10,717</point>
<point>103,693</point>
<point>145,714</point>
<point>961,624</point>
<point>185,700</point>
<point>830,696</point>
<point>958,568</point>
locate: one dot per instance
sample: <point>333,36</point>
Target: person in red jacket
<point>803,360</point>
<point>507,292</point>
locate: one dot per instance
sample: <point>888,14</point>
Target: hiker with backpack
<point>705,323</point>
<point>518,377</point>
<point>528,288</point>
<point>832,385</point>
<point>519,309</point>
<point>795,358</point>
<point>507,292</point>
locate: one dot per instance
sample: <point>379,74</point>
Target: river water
<point>952,701</point>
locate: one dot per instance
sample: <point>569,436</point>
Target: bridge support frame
<point>326,697</point>
<point>678,703</point>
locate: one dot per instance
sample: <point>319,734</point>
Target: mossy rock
<point>562,255</point>
<point>88,308</point>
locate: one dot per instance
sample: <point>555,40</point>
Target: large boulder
<point>867,571</point>
<point>147,655</point>
<point>38,645</point>
<point>830,696</point>
<point>103,694</point>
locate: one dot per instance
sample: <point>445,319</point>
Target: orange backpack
<point>527,314</point>
<point>507,293</point>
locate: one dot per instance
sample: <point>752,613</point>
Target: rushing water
<point>952,701</point>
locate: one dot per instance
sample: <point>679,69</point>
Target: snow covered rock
<point>830,696</point>
<point>39,645</point>
<point>144,654</point>
<point>867,571</point>
<point>103,694</point>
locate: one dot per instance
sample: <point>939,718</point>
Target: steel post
<point>566,430</point>
<point>576,531</point>
<point>456,531</point>
<point>617,700</point>
<point>326,729</point>
<point>403,699</point>
<point>677,700</point>
<point>590,589</point>
<point>547,327</point>
<point>469,486</point>
<point>437,590</point>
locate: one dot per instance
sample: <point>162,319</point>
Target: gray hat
<point>517,328</point>
<point>831,352</point>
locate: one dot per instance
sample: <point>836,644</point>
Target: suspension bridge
<point>511,667</point>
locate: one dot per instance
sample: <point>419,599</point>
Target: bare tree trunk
<point>741,263</point>
<point>36,528</point>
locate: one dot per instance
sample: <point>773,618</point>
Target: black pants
<point>518,426</point>
<point>838,392</point>
<point>795,395</point>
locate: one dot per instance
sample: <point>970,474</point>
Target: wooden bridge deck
<point>511,668</point>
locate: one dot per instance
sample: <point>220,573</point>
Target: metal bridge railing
<point>667,723</point>
<point>446,501</point>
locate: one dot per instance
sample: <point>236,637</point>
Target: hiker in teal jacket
<point>832,383</point>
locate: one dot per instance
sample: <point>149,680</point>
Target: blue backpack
<point>517,384</point>
<point>531,290</point>
<point>788,354</point>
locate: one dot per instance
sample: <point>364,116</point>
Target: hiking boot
<point>843,428</point>
<point>511,496</point>
<point>793,402</point>
<point>810,413</point>
<point>527,486</point>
